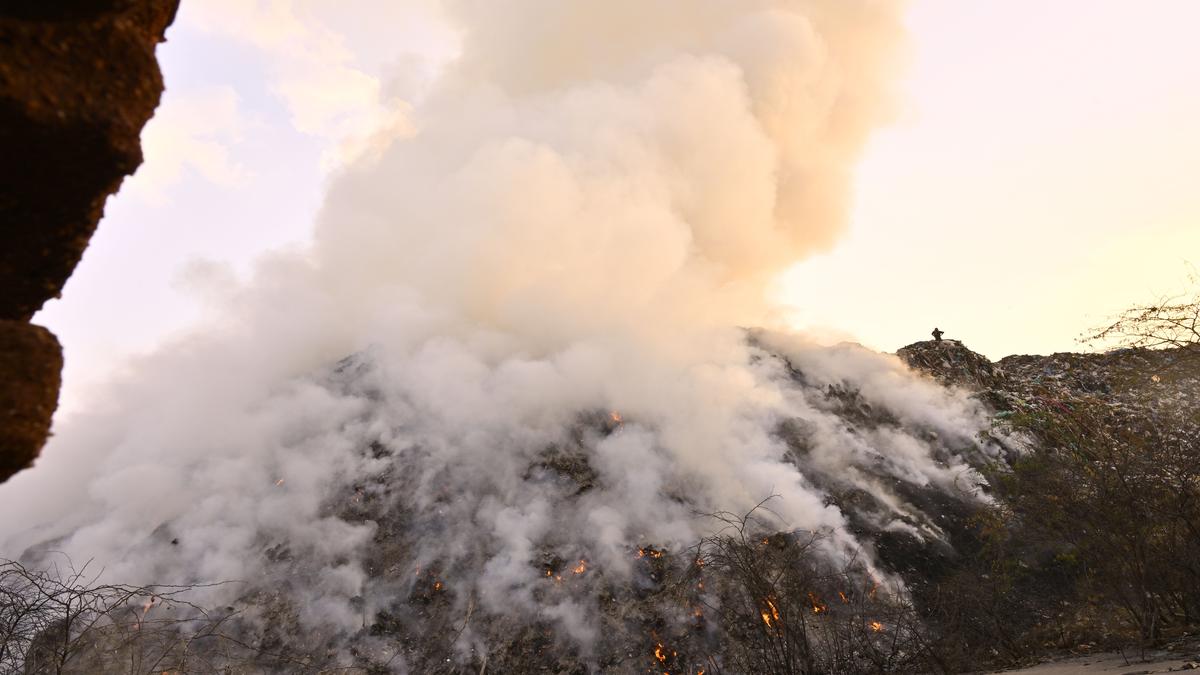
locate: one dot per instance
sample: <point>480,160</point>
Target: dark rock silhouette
<point>78,81</point>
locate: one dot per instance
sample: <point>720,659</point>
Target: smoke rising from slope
<point>594,199</point>
<point>625,159</point>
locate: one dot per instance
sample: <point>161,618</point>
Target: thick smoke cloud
<point>594,200</point>
<point>627,159</point>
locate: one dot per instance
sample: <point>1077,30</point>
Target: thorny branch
<point>1171,322</point>
<point>62,620</point>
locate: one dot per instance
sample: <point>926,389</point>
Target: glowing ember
<point>279,482</point>
<point>649,552</point>
<point>615,418</point>
<point>581,567</point>
<point>845,600</point>
<point>437,586</point>
<point>770,613</point>
<point>817,605</point>
<point>660,653</point>
<point>876,627</point>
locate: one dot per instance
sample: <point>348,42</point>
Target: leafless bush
<point>1170,322</point>
<point>62,621</point>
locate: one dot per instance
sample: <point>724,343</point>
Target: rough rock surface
<point>31,361</point>
<point>78,81</point>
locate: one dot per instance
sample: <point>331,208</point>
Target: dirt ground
<point>1179,658</point>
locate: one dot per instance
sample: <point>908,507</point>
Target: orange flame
<point>437,585</point>
<point>643,552</point>
<point>615,418</point>
<point>770,613</point>
<point>845,600</point>
<point>876,627</point>
<point>660,653</point>
<point>581,567</point>
<point>817,605</point>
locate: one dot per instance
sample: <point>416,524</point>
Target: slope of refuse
<point>522,560</point>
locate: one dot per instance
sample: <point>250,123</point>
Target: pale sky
<point>1041,173</point>
<point>1044,174</point>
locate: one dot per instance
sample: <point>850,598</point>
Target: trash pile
<point>453,577</point>
<point>952,364</point>
<point>441,594</point>
<point>1158,382</point>
<point>1161,387</point>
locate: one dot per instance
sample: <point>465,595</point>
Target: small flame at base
<point>770,613</point>
<point>817,605</point>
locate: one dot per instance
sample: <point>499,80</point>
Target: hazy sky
<point>1041,172</point>
<point>1044,174</point>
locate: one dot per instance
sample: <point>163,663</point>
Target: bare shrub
<point>1169,322</point>
<point>62,621</point>
<point>782,609</point>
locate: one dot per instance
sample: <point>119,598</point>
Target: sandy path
<point>1156,661</point>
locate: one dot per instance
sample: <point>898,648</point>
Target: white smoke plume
<point>595,199</point>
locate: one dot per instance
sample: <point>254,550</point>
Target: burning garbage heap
<point>521,562</point>
<point>450,575</point>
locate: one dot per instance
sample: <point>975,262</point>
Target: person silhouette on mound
<point>937,334</point>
